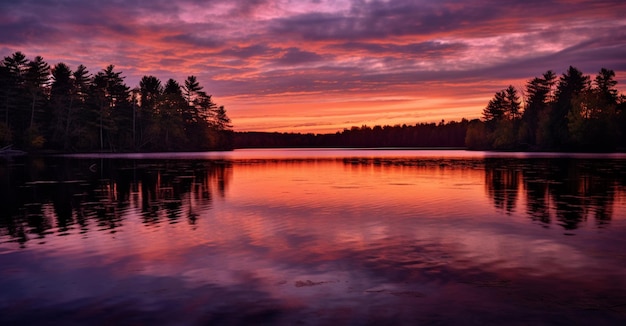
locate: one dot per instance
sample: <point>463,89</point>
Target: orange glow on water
<point>366,228</point>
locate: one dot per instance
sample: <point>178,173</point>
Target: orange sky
<point>324,65</point>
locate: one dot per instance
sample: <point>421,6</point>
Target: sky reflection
<point>328,240</point>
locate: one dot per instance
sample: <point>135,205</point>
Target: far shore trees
<point>57,108</point>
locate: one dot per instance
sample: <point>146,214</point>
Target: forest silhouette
<point>567,113</point>
<point>57,108</point>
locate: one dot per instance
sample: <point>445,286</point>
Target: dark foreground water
<point>313,237</point>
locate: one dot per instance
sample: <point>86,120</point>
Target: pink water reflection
<point>353,239</point>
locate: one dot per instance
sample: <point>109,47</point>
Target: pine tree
<point>191,89</point>
<point>605,83</point>
<point>496,108</point>
<point>61,101</point>
<point>111,101</point>
<point>151,92</point>
<point>14,99</point>
<point>512,103</point>
<point>37,79</point>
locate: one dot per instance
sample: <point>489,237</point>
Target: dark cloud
<point>295,56</point>
<point>250,51</point>
<point>589,56</point>
<point>59,14</point>
<point>246,8</point>
<point>428,49</point>
<point>377,19</point>
<point>25,30</point>
<point>194,40</point>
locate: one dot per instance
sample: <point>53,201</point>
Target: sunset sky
<point>324,65</point>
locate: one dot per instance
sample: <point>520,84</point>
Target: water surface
<point>314,237</point>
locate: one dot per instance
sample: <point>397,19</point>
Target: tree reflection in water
<point>341,240</point>
<point>42,197</point>
<point>502,184</point>
<point>570,190</point>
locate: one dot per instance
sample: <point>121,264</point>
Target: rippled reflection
<point>571,191</point>
<point>313,238</point>
<point>41,197</point>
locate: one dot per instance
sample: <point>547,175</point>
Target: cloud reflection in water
<point>354,240</point>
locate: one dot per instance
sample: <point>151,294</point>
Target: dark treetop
<point>57,108</point>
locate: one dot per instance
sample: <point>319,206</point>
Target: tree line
<point>443,134</point>
<point>568,113</point>
<point>57,108</point>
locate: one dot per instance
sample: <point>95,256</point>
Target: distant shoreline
<point>217,154</point>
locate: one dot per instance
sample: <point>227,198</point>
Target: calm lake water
<point>313,237</point>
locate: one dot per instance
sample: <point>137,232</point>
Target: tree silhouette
<point>539,98</point>
<point>61,102</point>
<point>513,103</point>
<point>167,126</point>
<point>570,113</point>
<point>77,126</point>
<point>496,108</point>
<point>605,83</point>
<point>37,76</point>
<point>60,109</point>
<point>191,89</point>
<point>14,95</point>
<point>570,85</point>
<point>151,92</point>
<point>591,119</point>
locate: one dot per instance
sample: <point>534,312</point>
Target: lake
<point>313,237</point>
